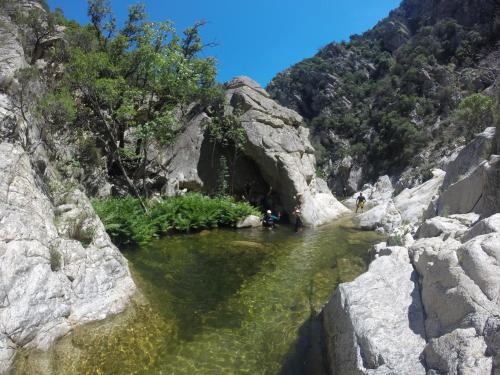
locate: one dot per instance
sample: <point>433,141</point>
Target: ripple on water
<point>225,302</point>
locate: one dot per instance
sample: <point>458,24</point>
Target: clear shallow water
<point>220,302</point>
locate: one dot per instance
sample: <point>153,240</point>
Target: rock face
<point>454,265</point>
<point>366,321</point>
<point>58,267</point>
<point>471,183</point>
<point>387,213</point>
<point>470,157</point>
<point>277,153</point>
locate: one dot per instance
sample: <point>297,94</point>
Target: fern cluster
<point>128,224</point>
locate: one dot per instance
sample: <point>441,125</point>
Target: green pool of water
<point>222,302</point>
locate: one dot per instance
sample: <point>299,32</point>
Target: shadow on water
<point>307,355</point>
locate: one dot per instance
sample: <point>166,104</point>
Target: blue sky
<point>257,38</point>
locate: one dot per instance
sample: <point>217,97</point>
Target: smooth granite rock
<point>375,324</point>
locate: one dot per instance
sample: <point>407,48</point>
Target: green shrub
<point>475,113</point>
<point>127,224</point>
<point>55,259</point>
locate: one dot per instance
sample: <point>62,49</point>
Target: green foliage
<point>127,224</point>
<point>474,114</point>
<point>388,103</point>
<point>139,79</point>
<point>57,108</point>
<point>223,177</point>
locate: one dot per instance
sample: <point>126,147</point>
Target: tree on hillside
<point>474,113</point>
<point>140,78</point>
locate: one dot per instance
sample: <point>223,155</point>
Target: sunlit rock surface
<point>277,153</point>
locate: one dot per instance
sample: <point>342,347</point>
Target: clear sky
<point>257,38</point>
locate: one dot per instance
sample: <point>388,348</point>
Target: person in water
<point>269,220</point>
<point>360,202</point>
<point>299,224</point>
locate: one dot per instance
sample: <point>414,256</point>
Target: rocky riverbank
<point>58,267</point>
<point>430,300</point>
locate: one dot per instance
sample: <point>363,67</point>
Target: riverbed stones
<point>367,320</point>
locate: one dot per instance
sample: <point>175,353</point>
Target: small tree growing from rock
<point>474,113</point>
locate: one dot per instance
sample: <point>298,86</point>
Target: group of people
<point>270,218</point>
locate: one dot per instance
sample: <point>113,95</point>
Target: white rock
<point>488,225</point>
<point>450,297</point>
<point>375,195</point>
<point>459,352</point>
<point>250,221</point>
<point>480,260</point>
<point>411,203</point>
<point>49,282</point>
<point>466,219</point>
<point>384,215</point>
<point>276,147</point>
<point>469,157</point>
<point>438,226</point>
<point>374,325</point>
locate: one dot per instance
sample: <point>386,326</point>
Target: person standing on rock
<point>360,202</point>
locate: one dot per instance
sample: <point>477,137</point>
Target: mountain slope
<point>386,101</point>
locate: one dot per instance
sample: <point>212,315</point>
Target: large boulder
<point>469,157</point>
<point>459,286</point>
<point>58,267</point>
<point>477,192</point>
<point>480,260</point>
<point>375,324</point>
<point>438,226</point>
<point>488,225</point>
<point>412,203</point>
<point>277,153</point>
<point>384,215</point>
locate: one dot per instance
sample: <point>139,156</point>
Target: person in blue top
<point>269,220</point>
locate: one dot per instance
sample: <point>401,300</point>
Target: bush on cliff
<point>128,224</point>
